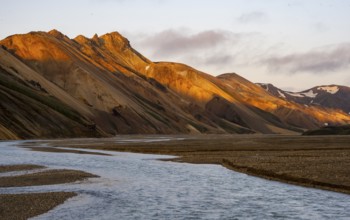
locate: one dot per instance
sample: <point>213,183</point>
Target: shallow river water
<point>137,186</point>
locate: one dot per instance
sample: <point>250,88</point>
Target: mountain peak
<point>224,75</point>
<point>56,34</point>
<point>81,39</point>
<point>115,34</point>
<point>115,38</point>
<point>95,38</point>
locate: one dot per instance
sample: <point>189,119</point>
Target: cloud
<point>219,59</point>
<point>209,50</point>
<point>173,42</point>
<point>215,60</point>
<point>323,60</point>
<point>253,17</point>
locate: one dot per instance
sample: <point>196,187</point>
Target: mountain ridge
<point>116,90</point>
<point>328,96</point>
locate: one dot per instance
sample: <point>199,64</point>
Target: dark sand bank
<point>59,150</point>
<point>24,206</point>
<point>19,167</point>
<point>48,177</point>
<point>314,161</point>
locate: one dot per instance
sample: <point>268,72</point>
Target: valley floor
<point>314,161</point>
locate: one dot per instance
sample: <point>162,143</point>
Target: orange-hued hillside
<point>54,86</point>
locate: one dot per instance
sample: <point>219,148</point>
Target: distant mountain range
<point>331,96</point>
<point>52,86</point>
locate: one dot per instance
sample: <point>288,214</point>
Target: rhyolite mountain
<point>329,96</point>
<point>54,86</point>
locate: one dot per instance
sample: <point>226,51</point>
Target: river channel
<point>138,186</point>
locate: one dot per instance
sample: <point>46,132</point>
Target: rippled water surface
<point>137,186</point>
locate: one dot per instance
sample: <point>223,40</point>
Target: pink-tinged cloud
<point>174,42</point>
<point>325,60</point>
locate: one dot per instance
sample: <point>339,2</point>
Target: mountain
<point>54,86</point>
<point>328,96</point>
<point>330,130</point>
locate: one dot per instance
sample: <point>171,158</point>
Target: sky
<point>293,44</point>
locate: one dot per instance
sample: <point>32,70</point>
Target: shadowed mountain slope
<point>110,88</point>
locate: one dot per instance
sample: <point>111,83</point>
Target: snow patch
<point>329,89</point>
<point>295,94</point>
<point>310,94</point>
<point>281,94</point>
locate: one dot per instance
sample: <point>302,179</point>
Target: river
<point>138,186</point>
